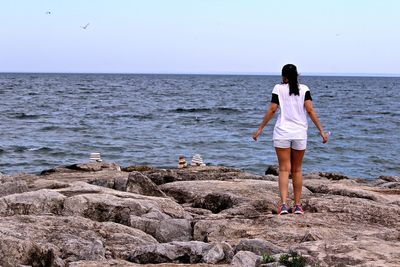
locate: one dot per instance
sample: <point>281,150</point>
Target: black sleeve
<point>308,96</point>
<point>275,99</point>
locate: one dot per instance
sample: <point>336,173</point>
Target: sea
<point>48,120</point>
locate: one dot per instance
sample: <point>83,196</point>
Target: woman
<point>290,132</point>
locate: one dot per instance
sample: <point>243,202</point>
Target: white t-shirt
<point>292,120</point>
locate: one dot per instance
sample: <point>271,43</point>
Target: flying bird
<point>85,27</point>
<point>48,12</point>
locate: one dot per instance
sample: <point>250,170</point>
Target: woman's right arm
<point>313,115</point>
<point>267,117</point>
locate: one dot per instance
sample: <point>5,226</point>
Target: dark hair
<point>290,72</point>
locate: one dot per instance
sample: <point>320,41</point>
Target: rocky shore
<point>99,214</point>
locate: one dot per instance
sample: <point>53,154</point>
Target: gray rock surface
<point>84,215</point>
<point>141,184</point>
<point>61,239</point>
<point>258,246</point>
<point>11,185</point>
<point>187,252</point>
<point>44,201</point>
<point>164,230</point>
<point>245,259</point>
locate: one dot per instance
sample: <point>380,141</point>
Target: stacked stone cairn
<point>197,160</point>
<point>95,157</point>
<point>182,162</point>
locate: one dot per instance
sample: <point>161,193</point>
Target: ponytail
<point>290,72</point>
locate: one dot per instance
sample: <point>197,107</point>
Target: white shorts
<point>298,144</point>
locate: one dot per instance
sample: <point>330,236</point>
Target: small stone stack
<point>95,157</point>
<point>197,160</point>
<point>182,162</point>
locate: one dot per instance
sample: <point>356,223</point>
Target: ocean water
<point>48,120</point>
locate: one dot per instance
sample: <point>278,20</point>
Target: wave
<point>24,116</point>
<point>190,110</point>
<point>207,110</point>
<point>217,86</point>
<point>49,128</point>
<point>327,96</point>
<point>58,153</point>
<point>76,128</point>
<point>40,149</point>
<point>148,116</point>
<point>142,116</point>
<point>390,113</point>
<point>20,149</point>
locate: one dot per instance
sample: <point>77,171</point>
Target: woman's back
<point>292,120</point>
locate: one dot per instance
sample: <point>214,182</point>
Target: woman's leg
<point>283,155</point>
<point>297,179</point>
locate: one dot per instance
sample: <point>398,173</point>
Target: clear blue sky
<point>200,36</point>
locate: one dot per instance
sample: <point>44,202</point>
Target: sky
<point>200,36</point>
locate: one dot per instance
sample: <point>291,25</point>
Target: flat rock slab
<point>24,239</point>
<point>217,196</point>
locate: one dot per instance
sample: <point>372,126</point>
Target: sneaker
<point>297,209</point>
<point>282,209</point>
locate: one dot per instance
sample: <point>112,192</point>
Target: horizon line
<point>328,74</point>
